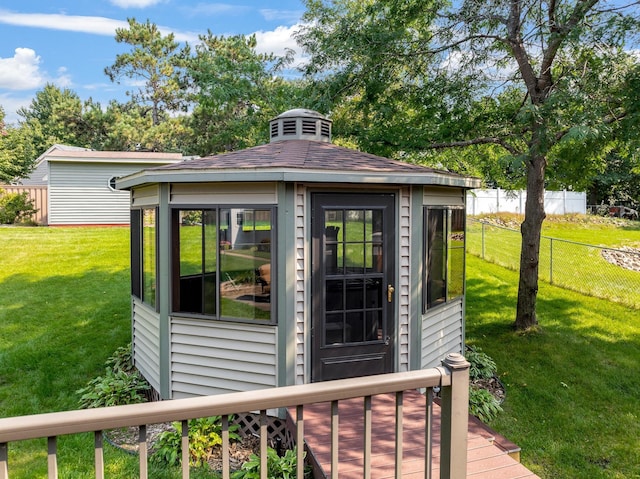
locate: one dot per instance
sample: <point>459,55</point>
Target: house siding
<point>404,281</point>
<point>212,357</point>
<point>302,297</point>
<point>79,193</point>
<point>224,193</point>
<point>146,342</point>
<point>438,196</point>
<point>442,333</point>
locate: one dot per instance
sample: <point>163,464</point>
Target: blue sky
<point>70,42</point>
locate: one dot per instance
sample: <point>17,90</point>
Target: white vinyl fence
<point>506,201</point>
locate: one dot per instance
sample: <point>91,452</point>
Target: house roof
<point>297,160</point>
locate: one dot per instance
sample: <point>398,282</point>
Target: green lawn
<point>572,389</point>
<point>566,259</point>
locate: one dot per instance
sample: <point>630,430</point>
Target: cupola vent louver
<point>300,124</point>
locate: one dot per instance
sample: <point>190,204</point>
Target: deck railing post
<point>455,419</point>
<point>4,460</point>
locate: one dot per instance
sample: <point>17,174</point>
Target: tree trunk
<point>531,230</point>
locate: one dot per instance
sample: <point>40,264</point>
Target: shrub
<point>121,384</point>
<point>204,435</point>
<point>482,366</point>
<point>483,404</point>
<point>277,466</point>
<point>115,388</point>
<point>15,207</point>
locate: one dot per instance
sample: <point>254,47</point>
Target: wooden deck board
<point>485,459</point>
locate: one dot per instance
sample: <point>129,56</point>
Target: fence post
<point>455,419</point>
<point>482,223</point>
<point>551,260</point>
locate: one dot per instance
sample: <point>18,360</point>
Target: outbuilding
<point>81,183</point>
<point>292,262</point>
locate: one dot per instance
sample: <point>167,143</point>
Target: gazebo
<point>292,262</point>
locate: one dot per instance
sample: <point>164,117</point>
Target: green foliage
<point>121,384</point>
<point>278,467</point>
<point>158,61</point>
<point>15,207</point>
<point>115,388</point>
<point>483,404</point>
<point>204,435</point>
<point>482,366</point>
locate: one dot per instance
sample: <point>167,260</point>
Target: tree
<point>157,60</point>
<point>237,91</point>
<point>53,116</point>
<point>16,154</point>
<point>557,72</point>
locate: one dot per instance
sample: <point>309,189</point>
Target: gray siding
<point>145,196</point>
<point>146,342</point>
<point>224,193</point>
<point>212,357</point>
<point>439,196</point>
<point>79,193</point>
<point>302,286</point>
<point>442,333</point>
<point>404,281</point>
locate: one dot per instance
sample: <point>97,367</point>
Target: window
<point>112,183</point>
<point>444,254</point>
<point>144,255</point>
<point>222,262</point>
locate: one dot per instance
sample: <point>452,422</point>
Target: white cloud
<point>135,3</point>
<point>82,24</point>
<point>213,9</point>
<point>22,71</point>
<point>11,104</point>
<point>71,23</point>
<point>276,41</point>
<point>289,16</point>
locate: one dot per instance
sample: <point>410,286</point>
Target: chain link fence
<point>593,270</point>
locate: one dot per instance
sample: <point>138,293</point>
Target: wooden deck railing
<point>452,379</point>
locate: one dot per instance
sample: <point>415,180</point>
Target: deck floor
<point>485,457</point>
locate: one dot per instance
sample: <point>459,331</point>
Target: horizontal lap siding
<point>442,333</point>
<point>79,193</point>
<point>146,342</point>
<point>211,357</point>
<point>224,193</point>
<point>438,196</point>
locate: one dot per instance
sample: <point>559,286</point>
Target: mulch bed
<point>240,452</point>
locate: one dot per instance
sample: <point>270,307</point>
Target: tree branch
<point>486,140</point>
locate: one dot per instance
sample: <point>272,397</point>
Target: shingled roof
<point>298,160</point>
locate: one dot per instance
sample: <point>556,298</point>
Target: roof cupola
<point>300,124</point>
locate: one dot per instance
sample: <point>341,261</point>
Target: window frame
<point>446,212</point>
<point>136,224</point>
<point>233,219</point>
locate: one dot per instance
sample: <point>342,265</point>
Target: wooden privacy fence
<point>39,196</point>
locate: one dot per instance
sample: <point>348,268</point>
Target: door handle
<point>390,291</point>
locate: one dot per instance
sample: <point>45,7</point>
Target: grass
<point>572,388</point>
<point>566,259</point>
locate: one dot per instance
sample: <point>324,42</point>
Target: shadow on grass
<point>573,387</point>
<point>56,334</point>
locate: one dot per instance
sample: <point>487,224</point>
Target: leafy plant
<point>483,404</point>
<point>115,388</point>
<point>482,366</point>
<point>204,435</point>
<point>121,384</point>
<point>15,207</point>
<point>278,467</point>
<point>121,359</point>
